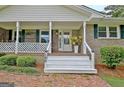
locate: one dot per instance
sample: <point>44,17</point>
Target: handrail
<point>47,50</point>
<point>92,54</point>
<point>48,46</point>
<point>88,47</point>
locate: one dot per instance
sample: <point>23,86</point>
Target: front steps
<point>69,64</point>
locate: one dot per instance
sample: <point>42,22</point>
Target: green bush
<point>3,67</point>
<point>2,54</point>
<point>27,70</point>
<point>8,60</point>
<point>26,61</point>
<point>112,55</point>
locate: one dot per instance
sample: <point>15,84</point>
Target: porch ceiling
<point>42,25</point>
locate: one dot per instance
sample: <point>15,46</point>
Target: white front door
<point>64,41</point>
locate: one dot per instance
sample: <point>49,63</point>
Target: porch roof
<point>47,13</point>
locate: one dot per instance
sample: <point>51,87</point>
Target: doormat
<point>6,84</point>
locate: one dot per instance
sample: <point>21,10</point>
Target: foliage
<point>8,60</point>
<point>27,70</point>
<point>112,56</point>
<point>26,61</point>
<point>76,40</point>
<point>115,10</point>
<point>2,54</point>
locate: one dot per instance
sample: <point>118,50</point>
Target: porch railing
<point>92,54</point>
<point>23,47</point>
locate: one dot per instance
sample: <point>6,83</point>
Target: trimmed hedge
<point>26,61</point>
<point>8,60</point>
<point>27,70</point>
<point>112,55</point>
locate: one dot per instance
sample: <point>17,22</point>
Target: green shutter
<point>37,35</point>
<point>20,36</point>
<point>95,31</point>
<point>122,31</point>
<point>23,35</point>
<point>10,35</point>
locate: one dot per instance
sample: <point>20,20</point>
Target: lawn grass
<point>113,81</point>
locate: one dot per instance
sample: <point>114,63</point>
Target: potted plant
<point>76,42</point>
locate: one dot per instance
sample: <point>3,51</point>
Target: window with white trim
<point>44,38</point>
<point>102,31</point>
<point>112,31</point>
<point>108,32</point>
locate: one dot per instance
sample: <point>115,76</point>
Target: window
<point>108,32</point>
<point>44,37</point>
<point>112,31</point>
<point>66,40</point>
<point>102,31</point>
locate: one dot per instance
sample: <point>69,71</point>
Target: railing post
<point>93,60</point>
<point>50,36</point>
<point>17,37</point>
<point>84,37</point>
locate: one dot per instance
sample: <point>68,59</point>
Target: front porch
<point>34,37</point>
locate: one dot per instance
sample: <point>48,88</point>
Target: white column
<point>84,37</point>
<point>50,36</point>
<point>17,37</point>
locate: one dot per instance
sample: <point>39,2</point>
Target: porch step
<point>68,58</point>
<point>69,64</point>
<point>66,54</point>
<point>63,70</point>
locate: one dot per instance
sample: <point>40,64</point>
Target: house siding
<point>96,44</point>
<point>40,13</point>
<point>4,35</point>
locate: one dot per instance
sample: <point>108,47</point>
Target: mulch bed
<point>40,66</point>
<point>118,72</point>
<point>53,80</point>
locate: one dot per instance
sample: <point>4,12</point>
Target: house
<point>47,29</point>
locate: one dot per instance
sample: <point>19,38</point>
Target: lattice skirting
<point>7,47</point>
<point>24,47</point>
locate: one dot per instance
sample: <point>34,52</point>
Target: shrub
<point>26,61</point>
<point>3,67</point>
<point>27,70</point>
<point>112,56</point>
<point>2,54</point>
<point>8,60</point>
